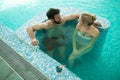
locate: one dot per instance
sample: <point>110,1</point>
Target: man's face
<point>57,19</point>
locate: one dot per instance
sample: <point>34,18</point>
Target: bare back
<point>89,30</point>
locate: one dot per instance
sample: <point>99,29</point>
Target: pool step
<point>6,72</point>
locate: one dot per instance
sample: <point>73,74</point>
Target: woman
<point>84,36</point>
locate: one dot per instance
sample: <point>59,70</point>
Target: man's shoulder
<point>48,24</point>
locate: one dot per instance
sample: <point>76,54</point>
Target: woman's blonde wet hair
<point>88,18</point>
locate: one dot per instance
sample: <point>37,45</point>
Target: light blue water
<point>102,63</point>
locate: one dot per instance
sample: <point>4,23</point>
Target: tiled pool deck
<point>18,64</point>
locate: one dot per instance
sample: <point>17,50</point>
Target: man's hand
<point>97,24</point>
<point>34,42</point>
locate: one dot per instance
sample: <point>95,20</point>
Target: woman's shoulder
<point>95,31</point>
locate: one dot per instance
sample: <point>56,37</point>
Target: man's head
<point>54,14</point>
<point>88,18</point>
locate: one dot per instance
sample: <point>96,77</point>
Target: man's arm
<point>71,17</point>
<point>97,24</point>
<point>31,29</point>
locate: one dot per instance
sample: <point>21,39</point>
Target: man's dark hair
<point>52,12</point>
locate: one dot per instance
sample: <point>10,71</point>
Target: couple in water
<point>85,30</point>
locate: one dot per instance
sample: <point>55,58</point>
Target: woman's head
<point>87,18</point>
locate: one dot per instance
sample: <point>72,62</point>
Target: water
<point>102,63</point>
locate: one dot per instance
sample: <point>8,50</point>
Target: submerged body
<point>53,37</point>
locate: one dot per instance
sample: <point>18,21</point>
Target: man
<point>52,24</point>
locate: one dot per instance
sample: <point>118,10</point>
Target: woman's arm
<point>74,39</point>
<point>85,49</point>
